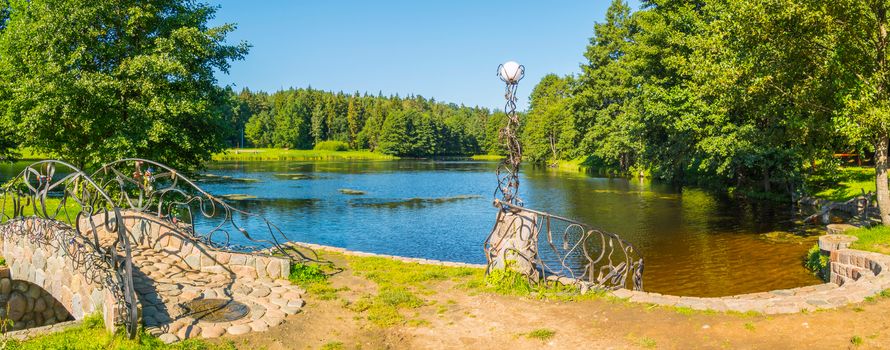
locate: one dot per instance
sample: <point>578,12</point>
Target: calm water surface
<point>694,243</point>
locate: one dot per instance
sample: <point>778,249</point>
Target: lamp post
<point>508,182</point>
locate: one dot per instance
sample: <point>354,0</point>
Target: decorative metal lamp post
<point>508,173</point>
<point>572,253</point>
<point>512,244</point>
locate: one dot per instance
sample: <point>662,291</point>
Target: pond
<point>694,243</point>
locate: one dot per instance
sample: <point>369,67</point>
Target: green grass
<point>91,334</point>
<point>334,345</point>
<point>267,154</point>
<point>542,334</point>
<point>856,340</point>
<point>844,184</point>
<point>874,239</point>
<point>487,157</point>
<point>30,154</point>
<point>66,213</point>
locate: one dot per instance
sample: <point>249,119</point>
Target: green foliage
<point>412,126</point>
<point>751,95</point>
<point>336,146</point>
<point>265,154</point>
<point>856,340</point>
<point>542,334</point>
<point>842,184</point>
<point>508,282</point>
<point>2,261</point>
<point>91,334</point>
<point>82,82</point>
<point>304,274</point>
<point>816,262</point>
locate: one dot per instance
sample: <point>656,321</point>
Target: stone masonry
<point>171,269</point>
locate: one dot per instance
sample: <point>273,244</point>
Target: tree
<point>860,60</point>
<point>260,129</point>
<point>92,81</point>
<point>397,134</point>
<point>548,118</point>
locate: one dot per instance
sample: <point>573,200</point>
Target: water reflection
<point>694,243</point>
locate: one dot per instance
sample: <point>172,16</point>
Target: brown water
<point>694,243</point>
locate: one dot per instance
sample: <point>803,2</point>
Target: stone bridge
<point>137,257</point>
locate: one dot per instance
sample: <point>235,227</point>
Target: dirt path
<point>452,318</point>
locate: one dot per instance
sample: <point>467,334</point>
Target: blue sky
<point>448,50</point>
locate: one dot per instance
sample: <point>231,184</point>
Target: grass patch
<point>315,280</point>
<point>66,212</point>
<point>647,342</point>
<point>509,282</point>
<point>843,184</point>
<point>91,334</point>
<point>487,157</point>
<point>542,334</point>
<point>334,345</point>
<point>393,273</point>
<point>750,326</point>
<point>384,308</point>
<point>874,239</point>
<point>332,145</point>
<point>272,154</point>
<point>856,340</point>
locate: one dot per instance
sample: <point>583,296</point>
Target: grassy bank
<point>267,154</point>
<point>843,185</point>
<point>875,239</point>
<point>91,334</point>
<point>487,157</point>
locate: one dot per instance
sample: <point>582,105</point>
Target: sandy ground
<point>458,320</point>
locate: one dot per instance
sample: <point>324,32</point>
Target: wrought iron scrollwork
<point>545,246</point>
<point>565,248</point>
<point>147,186</point>
<point>54,204</point>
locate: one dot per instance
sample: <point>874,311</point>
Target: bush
<point>816,262</point>
<point>337,146</point>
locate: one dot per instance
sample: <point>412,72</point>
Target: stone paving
<point>163,282</point>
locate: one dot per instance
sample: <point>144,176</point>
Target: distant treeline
<point>402,126</point>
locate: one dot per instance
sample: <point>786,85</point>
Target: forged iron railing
<point>54,204</point>
<point>147,186</point>
<point>566,250</point>
<point>544,246</point>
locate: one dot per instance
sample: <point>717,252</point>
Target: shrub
<point>816,262</point>
<point>337,146</point>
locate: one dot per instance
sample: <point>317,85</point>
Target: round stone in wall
<point>215,310</point>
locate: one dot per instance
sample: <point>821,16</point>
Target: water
<point>694,243</point>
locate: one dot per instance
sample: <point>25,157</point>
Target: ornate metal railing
<point>544,246</point>
<point>55,204</point>
<point>150,187</point>
<point>566,250</point>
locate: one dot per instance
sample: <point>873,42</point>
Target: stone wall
<point>35,250</point>
<point>28,305</point>
<point>161,235</point>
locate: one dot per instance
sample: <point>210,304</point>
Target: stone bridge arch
<point>62,232</point>
<point>123,242</point>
